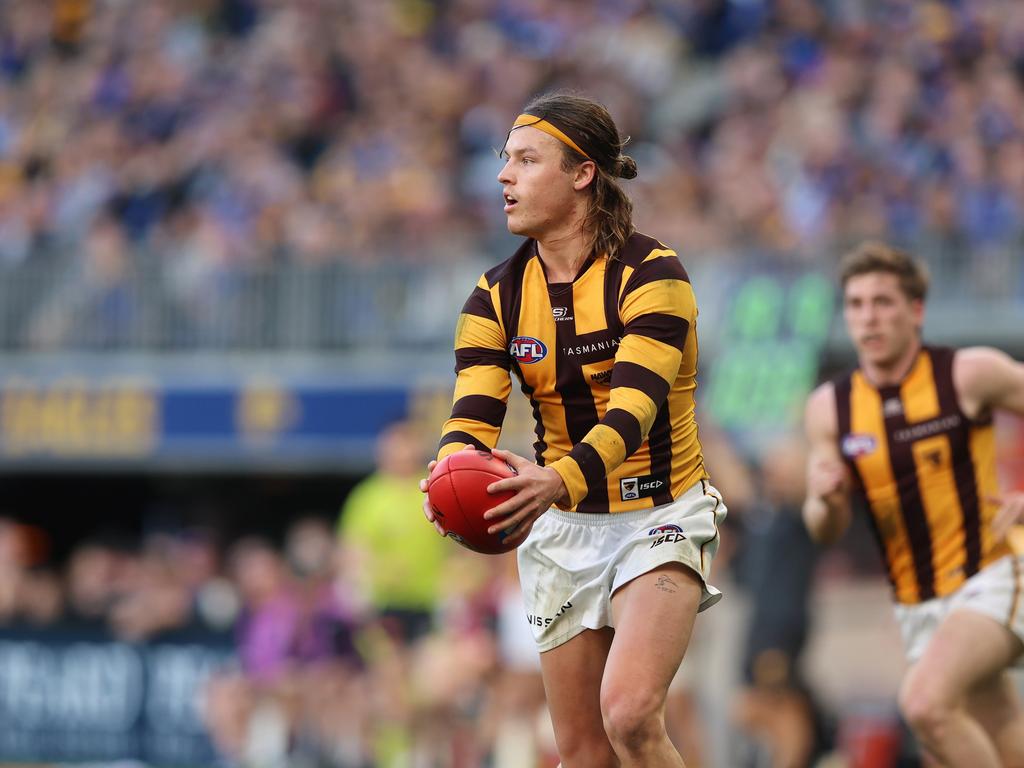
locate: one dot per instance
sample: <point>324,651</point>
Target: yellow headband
<point>543,125</point>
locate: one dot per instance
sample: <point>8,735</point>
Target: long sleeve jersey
<point>608,362</point>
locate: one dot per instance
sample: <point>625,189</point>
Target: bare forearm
<point>826,520</point>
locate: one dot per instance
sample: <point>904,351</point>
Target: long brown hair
<point>610,215</point>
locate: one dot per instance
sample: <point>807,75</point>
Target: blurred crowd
<point>362,639</point>
<point>207,140</point>
<point>323,674</point>
<point>370,641</point>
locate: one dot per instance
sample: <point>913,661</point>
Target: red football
<point>457,490</point>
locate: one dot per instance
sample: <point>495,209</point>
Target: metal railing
<point>58,305</point>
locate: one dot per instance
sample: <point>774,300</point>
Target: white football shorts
<point>996,591</point>
<point>572,562</point>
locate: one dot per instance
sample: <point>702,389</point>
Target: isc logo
<point>527,349</point>
<point>666,534</point>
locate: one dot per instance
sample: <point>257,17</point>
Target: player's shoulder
<point>821,411</point>
<point>976,368</point>
<point>640,248</point>
<point>973,359</point>
<point>511,266</point>
<point>650,260</point>
<point>823,397</point>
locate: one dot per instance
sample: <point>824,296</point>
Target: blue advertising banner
<point>135,420</point>
<point>68,698</point>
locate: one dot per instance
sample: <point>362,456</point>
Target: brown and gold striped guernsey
<point>608,362</point>
<point>926,471</point>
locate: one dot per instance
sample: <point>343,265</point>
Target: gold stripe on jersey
<point>487,387</point>
<point>636,402</point>
<point>478,332</point>
<point>932,457</point>
<point>609,445</point>
<point>658,296</point>
<point>642,350</point>
<point>983,449</point>
<point>590,317</point>
<point>608,363</point>
<point>483,385</point>
<point>882,496</point>
<point>986,477</point>
<point>627,275</point>
<point>572,476</point>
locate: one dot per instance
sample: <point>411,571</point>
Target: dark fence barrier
<point>70,696</point>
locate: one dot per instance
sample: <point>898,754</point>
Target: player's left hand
<point>536,489</point>
<point>1011,513</point>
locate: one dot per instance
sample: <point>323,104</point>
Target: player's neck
<point>892,373</point>
<point>564,254</point>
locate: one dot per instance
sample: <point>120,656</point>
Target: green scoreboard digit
<point>768,359</point>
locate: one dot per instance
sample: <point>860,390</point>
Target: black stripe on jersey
<point>612,282</point>
<point>510,286</point>
<point>539,445</point>
<point>660,443</point>
<point>660,268</point>
<point>844,392</point>
<point>626,424</point>
<point>637,248</point>
<point>467,357</point>
<point>592,466</point>
<point>901,457</point>
<point>479,304</point>
<point>462,437</point>
<point>489,410</point>
<point>580,411</point>
<point>963,462</point>
<point>668,329</point>
<point>635,376</point>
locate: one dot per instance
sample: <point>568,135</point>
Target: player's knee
<point>923,706</point>
<point>631,717</point>
<point>584,744</point>
<point>585,753</point>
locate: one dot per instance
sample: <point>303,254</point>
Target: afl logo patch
<point>858,445</point>
<point>668,528</point>
<point>527,349</point>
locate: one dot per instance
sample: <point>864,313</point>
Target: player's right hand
<point>826,480</point>
<point>428,511</point>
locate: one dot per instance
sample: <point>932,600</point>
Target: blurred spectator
<point>776,709</point>
<point>30,592</point>
<point>516,722</point>
<point>150,596</point>
<point>329,605</point>
<point>97,303</point>
<point>396,559</point>
<point>270,624</point>
<point>90,579</point>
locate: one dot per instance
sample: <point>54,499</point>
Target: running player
<point>910,430</point>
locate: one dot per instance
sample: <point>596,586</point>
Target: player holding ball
<point>616,523</point>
